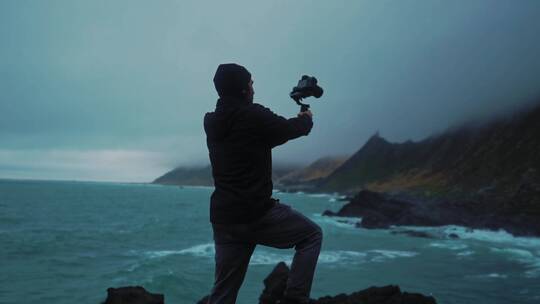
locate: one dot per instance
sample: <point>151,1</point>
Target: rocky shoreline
<point>274,286</point>
<point>380,210</point>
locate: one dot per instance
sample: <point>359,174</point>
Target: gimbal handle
<point>303,107</point>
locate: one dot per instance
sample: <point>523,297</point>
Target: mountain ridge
<point>495,156</point>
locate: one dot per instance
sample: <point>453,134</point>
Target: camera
<point>307,87</point>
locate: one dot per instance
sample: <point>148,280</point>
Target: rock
<point>378,295</point>
<point>275,282</point>
<point>453,236</point>
<point>275,285</point>
<point>329,213</point>
<point>132,295</point>
<point>379,210</point>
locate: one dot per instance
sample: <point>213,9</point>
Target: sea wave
<point>452,245</point>
<point>201,250</point>
<point>492,275</point>
<point>530,259</point>
<point>499,236</point>
<point>264,257</point>
<point>337,221</point>
<point>320,195</point>
<point>392,254</point>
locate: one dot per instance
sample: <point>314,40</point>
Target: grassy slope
<point>495,156</point>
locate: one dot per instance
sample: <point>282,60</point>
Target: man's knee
<point>318,234</point>
<point>313,240</point>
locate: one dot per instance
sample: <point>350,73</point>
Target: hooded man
<point>240,135</point>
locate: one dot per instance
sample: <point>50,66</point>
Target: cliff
<point>306,177</point>
<point>202,175</point>
<point>499,157</point>
<point>379,210</point>
<point>187,176</point>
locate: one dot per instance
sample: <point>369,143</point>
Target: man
<point>240,135</point>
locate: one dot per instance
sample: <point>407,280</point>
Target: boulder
<point>276,281</point>
<point>275,285</point>
<point>379,210</point>
<point>132,295</point>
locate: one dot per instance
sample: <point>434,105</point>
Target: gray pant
<point>281,227</point>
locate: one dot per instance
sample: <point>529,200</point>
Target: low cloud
<point>103,165</point>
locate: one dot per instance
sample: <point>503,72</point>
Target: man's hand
<point>308,112</point>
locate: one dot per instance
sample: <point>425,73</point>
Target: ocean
<point>67,242</point>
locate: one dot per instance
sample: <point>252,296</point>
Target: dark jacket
<point>240,135</point>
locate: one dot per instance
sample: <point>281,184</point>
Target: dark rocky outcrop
<point>378,211</point>
<point>275,283</point>
<point>132,295</point>
<point>382,211</point>
<point>390,294</point>
<point>274,286</point>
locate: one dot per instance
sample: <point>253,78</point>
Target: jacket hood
<point>217,124</point>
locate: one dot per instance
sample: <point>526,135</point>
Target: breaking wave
<point>264,257</point>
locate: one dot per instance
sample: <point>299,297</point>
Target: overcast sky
<point>117,90</point>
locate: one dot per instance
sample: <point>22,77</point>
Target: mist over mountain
<point>491,155</point>
<point>495,155</point>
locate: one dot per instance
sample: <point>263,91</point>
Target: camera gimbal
<point>307,86</point>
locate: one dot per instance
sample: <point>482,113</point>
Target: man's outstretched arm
<point>277,130</point>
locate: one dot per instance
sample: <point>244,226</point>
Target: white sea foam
<point>516,252</point>
<point>342,256</point>
<point>264,257</point>
<point>202,250</point>
<point>338,221</point>
<point>395,253</point>
<point>269,258</point>
<point>500,236</point>
<point>523,256</point>
<point>325,257</point>
<point>332,200</point>
<point>449,245</point>
<point>161,253</point>
<point>379,255</point>
<point>465,253</point>
<point>133,267</point>
<point>319,195</point>
<point>493,275</point>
